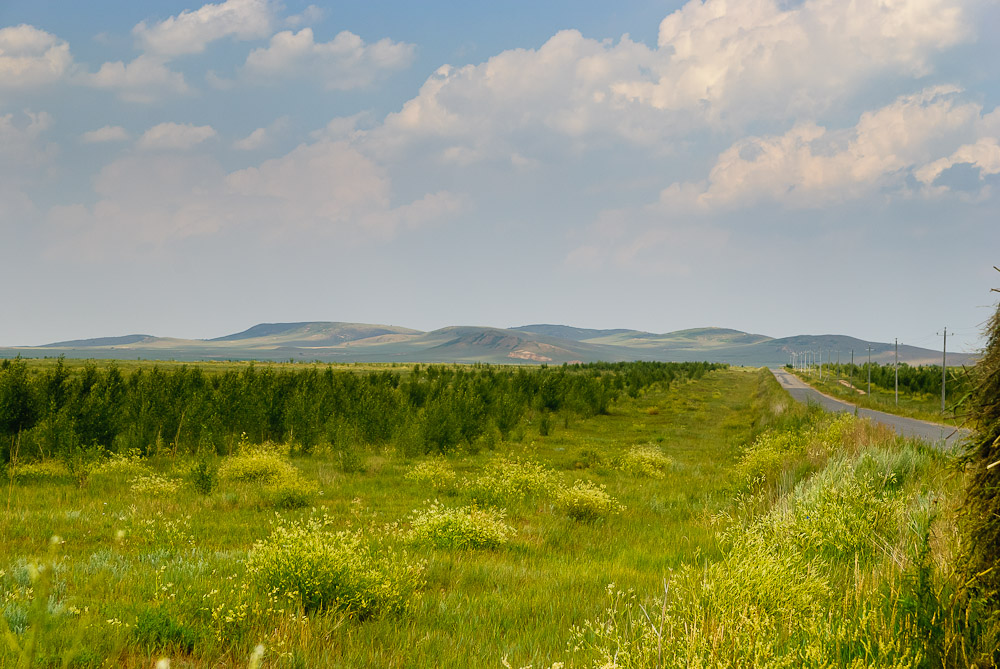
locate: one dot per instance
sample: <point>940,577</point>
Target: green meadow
<point>699,520</point>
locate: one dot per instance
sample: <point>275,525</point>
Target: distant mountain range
<point>528,344</point>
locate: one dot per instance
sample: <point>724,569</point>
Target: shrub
<point>154,484</point>
<point>155,630</point>
<point>644,460</point>
<point>291,491</point>
<point>464,527</point>
<point>436,473</point>
<point>43,471</point>
<point>769,454</point>
<point>129,463</point>
<point>255,466</point>
<point>508,481</point>
<point>334,571</point>
<point>586,502</point>
<point>203,476</point>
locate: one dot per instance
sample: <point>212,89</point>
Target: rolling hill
<point>528,344</point>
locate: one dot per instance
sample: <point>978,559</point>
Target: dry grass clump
<point>463,527</point>
<point>339,571</point>
<point>644,460</point>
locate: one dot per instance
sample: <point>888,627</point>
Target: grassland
<point>785,538</point>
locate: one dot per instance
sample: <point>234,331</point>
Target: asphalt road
<point>945,435</point>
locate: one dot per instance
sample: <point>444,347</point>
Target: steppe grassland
<point>147,568</point>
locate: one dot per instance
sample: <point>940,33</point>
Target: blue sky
<point>778,167</point>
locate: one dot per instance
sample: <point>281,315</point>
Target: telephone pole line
<point>869,370</point>
<point>896,365</point>
<point>944,366</point>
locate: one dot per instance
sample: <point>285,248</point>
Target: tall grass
<point>836,552</point>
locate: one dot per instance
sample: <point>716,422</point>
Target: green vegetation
<point>919,389</point>
<point>701,519</point>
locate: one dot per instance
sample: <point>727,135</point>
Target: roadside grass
<point>141,573</point>
<point>921,406</point>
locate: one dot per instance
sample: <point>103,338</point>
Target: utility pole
<point>896,365</point>
<point>839,371</point>
<point>852,366</point>
<point>944,366</point>
<point>869,370</point>
<point>821,364</point>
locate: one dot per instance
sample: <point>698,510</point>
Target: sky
<point>780,167</point>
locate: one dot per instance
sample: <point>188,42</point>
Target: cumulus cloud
<point>718,65</point>
<point>109,133</point>
<point>32,57</point>
<point>343,63</point>
<point>145,79</point>
<point>261,137</point>
<point>811,166</point>
<point>191,31</point>
<point>984,156</point>
<point>175,136</point>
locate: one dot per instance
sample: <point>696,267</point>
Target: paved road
<point>934,433</point>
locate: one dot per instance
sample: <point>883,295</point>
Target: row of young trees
<point>433,408</point>
<point>924,379</point>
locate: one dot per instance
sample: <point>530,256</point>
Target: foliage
<point>433,409</point>
<point>255,466</point>
<point>465,527</point>
<point>587,502</point>
<point>341,571</point>
<point>203,476</point>
<point>44,471</point>
<point>644,460</point>
<point>154,484</point>
<point>981,512</point>
<point>510,480</point>
<point>435,473</point>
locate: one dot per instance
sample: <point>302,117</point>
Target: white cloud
<point>729,59</point>
<point>311,14</point>
<point>343,63</point>
<point>109,133</point>
<point>175,136</point>
<point>812,166</point>
<point>144,80</point>
<point>32,57</point>
<point>261,137</point>
<point>191,31</point>
<point>718,65</point>
<point>984,155</point>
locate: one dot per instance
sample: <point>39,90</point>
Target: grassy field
<point>784,538</point>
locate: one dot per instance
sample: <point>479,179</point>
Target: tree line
<point>431,408</point>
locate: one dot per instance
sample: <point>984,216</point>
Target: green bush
<point>339,571</point>
<point>291,491</point>
<point>44,471</point>
<point>587,502</point>
<point>435,473</point>
<point>509,481</point>
<point>645,460</point>
<point>464,527</point>
<point>255,466</point>
<point>203,476</point>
